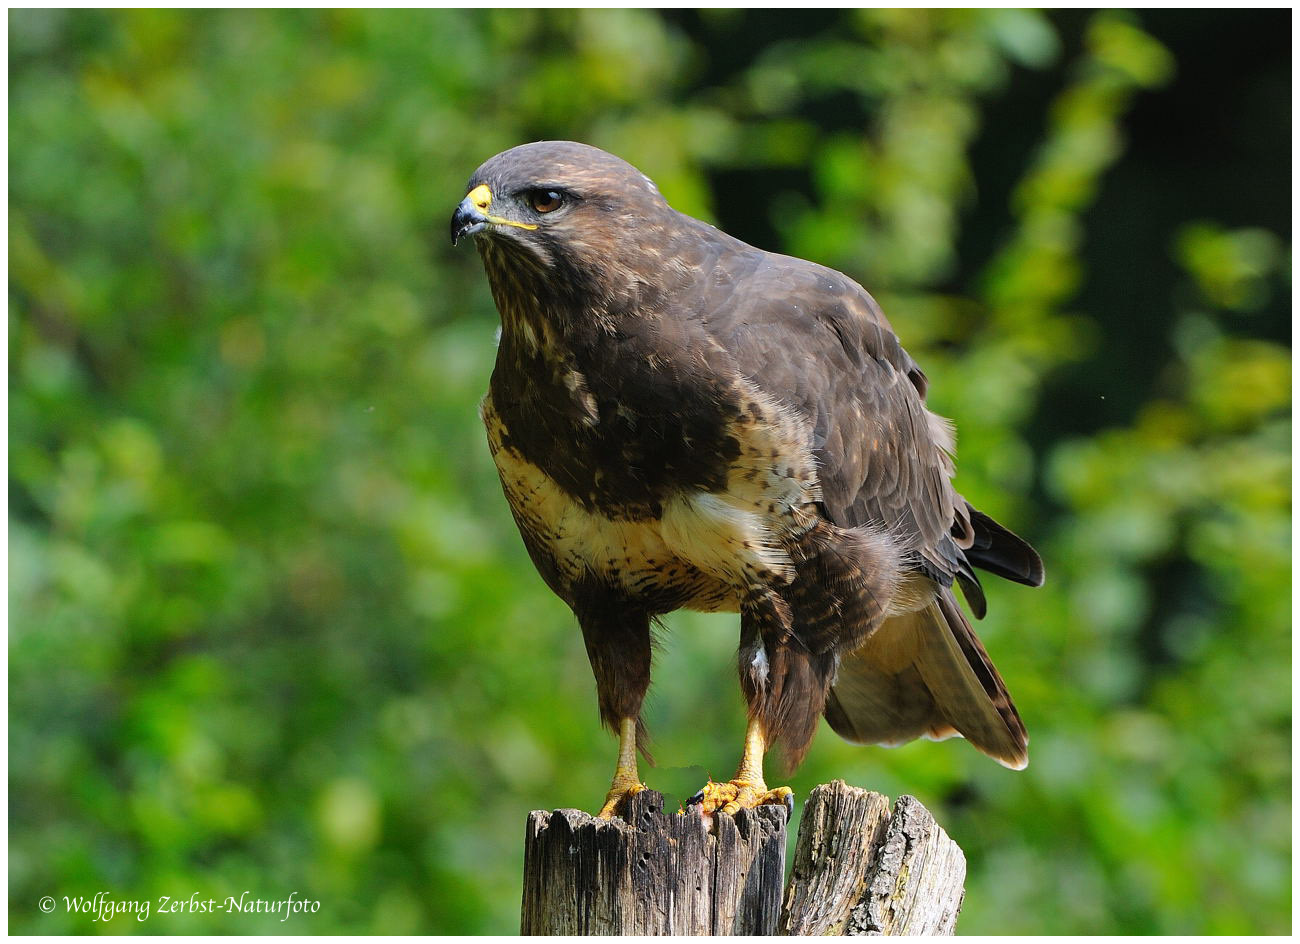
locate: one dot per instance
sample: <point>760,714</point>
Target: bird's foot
<point>616,799</point>
<point>737,795</point>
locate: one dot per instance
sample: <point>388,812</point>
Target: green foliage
<point>272,628</point>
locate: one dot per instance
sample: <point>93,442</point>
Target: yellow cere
<point>481,197</point>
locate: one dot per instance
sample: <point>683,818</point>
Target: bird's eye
<point>546,201</point>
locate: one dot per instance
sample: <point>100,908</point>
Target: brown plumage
<point>682,420</point>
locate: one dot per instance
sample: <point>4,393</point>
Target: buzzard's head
<point>558,204</point>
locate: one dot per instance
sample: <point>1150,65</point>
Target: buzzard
<point>681,420</point>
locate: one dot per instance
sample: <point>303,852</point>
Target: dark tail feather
<point>971,589</point>
<point>1003,553</point>
<point>925,674</point>
<point>1006,743</point>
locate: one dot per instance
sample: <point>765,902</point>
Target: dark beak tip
<point>465,221</point>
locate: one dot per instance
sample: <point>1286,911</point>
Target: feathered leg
<point>790,640</point>
<point>618,645</point>
<point>770,677</point>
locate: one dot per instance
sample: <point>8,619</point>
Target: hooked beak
<point>472,215</point>
<point>466,221</point>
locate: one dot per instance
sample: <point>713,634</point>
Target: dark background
<point>272,629</point>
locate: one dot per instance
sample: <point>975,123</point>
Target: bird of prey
<point>681,420</point>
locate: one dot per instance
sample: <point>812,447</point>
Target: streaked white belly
<point>712,545</point>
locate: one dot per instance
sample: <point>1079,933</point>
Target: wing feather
<point>819,341</point>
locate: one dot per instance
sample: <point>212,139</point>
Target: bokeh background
<point>271,627</point>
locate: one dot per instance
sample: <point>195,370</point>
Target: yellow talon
<point>615,798</point>
<point>736,795</point>
<point>747,789</point>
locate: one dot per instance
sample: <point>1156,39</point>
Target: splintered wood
<point>858,869</point>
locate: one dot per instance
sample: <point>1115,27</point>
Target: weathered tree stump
<point>858,869</point>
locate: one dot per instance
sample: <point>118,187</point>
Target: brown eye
<point>546,201</point>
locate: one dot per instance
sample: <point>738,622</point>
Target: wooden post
<point>858,869</point>
<point>655,873</point>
